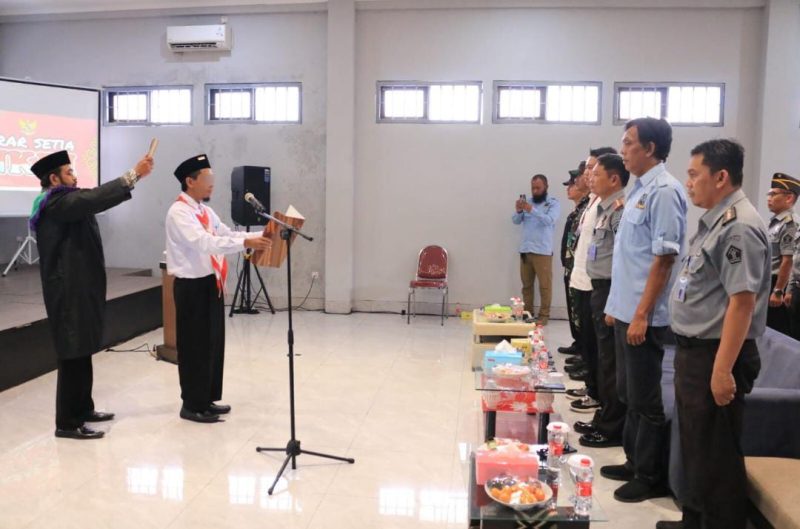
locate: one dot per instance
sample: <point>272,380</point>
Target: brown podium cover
<point>275,255</point>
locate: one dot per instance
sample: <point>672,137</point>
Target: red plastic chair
<point>431,274</point>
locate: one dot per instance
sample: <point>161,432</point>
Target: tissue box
<point>492,358</point>
<point>516,401</point>
<point>492,463</point>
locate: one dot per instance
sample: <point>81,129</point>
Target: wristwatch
<point>131,177</point>
<point>778,292</point>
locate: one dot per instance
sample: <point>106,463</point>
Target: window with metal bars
<point>254,103</point>
<point>682,104</point>
<point>429,102</point>
<point>166,105</point>
<point>546,102</point>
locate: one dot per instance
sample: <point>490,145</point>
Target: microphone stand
<point>292,448</point>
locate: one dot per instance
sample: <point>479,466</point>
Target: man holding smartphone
<point>537,216</point>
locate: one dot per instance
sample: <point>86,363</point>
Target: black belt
<point>599,283</point>
<point>685,341</point>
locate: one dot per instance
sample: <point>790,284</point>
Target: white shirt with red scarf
<point>190,245</point>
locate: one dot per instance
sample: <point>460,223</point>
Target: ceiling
<point>55,8</point>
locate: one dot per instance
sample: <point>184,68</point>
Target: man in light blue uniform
<point>650,238</point>
<point>538,218</point>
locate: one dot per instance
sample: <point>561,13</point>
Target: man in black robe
<point>74,280</point>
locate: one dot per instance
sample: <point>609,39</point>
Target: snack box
<point>495,309</point>
<point>492,358</point>
<point>521,344</point>
<point>505,456</point>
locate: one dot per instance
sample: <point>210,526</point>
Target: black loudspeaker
<point>249,179</point>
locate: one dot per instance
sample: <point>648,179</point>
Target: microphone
<point>253,201</point>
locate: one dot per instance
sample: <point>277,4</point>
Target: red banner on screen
<point>26,137</point>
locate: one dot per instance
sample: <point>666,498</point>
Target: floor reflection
<point>426,505</point>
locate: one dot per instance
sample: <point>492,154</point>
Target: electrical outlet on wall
<point>315,275</point>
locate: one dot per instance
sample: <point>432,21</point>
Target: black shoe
<point>617,472</point>
<point>98,416</point>
<point>199,416</point>
<point>586,405</point>
<point>669,525</point>
<point>584,427</point>
<point>82,432</point>
<point>579,376</point>
<point>636,491</point>
<point>572,360</point>
<point>571,350</point>
<point>577,366</point>
<point>576,394</point>
<point>598,440</point>
<point>219,409</point>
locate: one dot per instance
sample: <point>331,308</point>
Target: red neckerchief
<point>218,262</point>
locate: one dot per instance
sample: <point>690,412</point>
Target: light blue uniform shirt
<point>537,226</point>
<point>653,223</point>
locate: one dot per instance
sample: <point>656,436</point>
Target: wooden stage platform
<point>26,346</point>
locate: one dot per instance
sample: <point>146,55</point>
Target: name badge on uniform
<point>680,292</point>
<point>592,255</point>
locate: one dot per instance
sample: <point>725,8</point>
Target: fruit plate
<point>518,493</point>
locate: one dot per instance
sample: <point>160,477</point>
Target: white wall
<point>418,184</point>
<point>455,184</point>
<point>132,51</point>
<point>780,110</point>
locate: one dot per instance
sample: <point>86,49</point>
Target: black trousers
<point>74,392</point>
<point>588,340</point>
<point>610,419</point>
<point>794,314</point>
<point>778,317</point>
<point>711,453</point>
<point>644,436</point>
<point>574,327</point>
<point>200,336</point>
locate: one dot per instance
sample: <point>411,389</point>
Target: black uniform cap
<point>785,182</point>
<point>193,164</point>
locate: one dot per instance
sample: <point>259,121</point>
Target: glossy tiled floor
<point>397,398</point>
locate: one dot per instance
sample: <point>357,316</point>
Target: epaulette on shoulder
<point>730,216</point>
<point>618,204</point>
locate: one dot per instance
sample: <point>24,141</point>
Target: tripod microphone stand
<point>292,448</point>
<point>243,290</point>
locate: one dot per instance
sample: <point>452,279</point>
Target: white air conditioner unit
<point>216,37</point>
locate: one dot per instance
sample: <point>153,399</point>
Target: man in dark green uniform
<point>74,280</point>
<point>718,308</point>
<point>580,197</point>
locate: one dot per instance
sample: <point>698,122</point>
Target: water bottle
<point>556,438</point>
<point>583,488</point>
<point>543,359</point>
